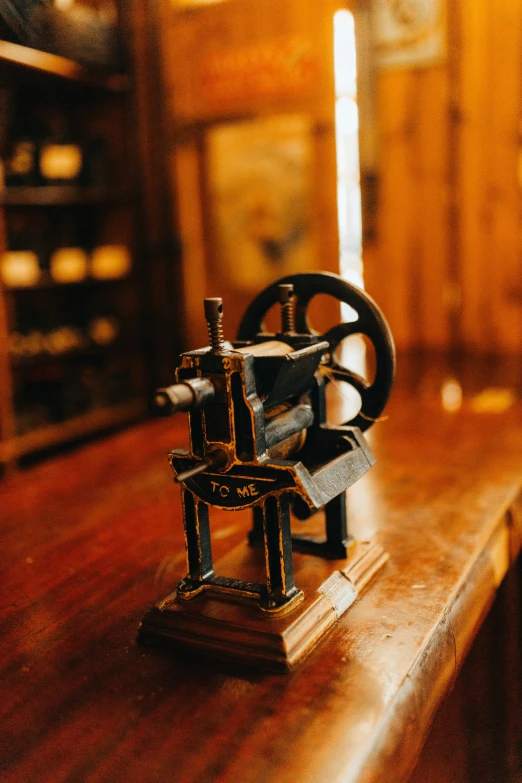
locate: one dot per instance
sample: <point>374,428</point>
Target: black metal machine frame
<point>259,436</point>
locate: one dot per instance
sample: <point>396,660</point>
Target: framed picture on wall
<point>259,198</point>
<point>409,33</point>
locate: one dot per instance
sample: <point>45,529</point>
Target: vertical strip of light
<point>347,144</point>
<point>349,213</point>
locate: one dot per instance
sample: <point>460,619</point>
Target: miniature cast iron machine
<point>259,439</point>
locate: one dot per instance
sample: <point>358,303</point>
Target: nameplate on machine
<point>231,491</point>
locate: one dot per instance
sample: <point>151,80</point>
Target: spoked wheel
<point>370,322</point>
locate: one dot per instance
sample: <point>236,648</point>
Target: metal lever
<point>217,459</point>
<point>201,467</point>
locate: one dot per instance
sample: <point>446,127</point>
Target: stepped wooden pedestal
<point>239,630</point>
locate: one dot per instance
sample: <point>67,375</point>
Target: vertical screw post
<point>214,316</point>
<point>286,300</point>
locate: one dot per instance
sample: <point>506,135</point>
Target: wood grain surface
<point>445,263</point>
<point>92,539</point>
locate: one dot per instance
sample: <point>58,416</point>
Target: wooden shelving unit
<point>116,207</point>
<point>52,65</point>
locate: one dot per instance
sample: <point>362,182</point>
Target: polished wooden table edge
<point>432,674</point>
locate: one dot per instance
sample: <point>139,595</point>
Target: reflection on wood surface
<point>87,539</point>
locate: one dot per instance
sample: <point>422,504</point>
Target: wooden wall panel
<point>407,270</point>
<point>446,264</point>
<point>388,265</point>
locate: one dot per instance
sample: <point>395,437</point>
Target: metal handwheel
<point>369,322</point>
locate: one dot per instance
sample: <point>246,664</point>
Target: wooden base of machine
<point>239,630</point>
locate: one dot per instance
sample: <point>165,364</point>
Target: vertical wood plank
<point>502,190</point>
<point>407,269</point>
<point>429,244</point>
<point>387,280</point>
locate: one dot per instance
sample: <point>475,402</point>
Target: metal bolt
<point>214,315</point>
<point>286,300</point>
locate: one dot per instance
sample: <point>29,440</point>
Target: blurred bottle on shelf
<point>110,262</point>
<point>74,321</point>
<point>20,164</point>
<point>20,167</point>
<point>22,261</point>
<point>68,264</point>
<point>22,346</point>
<point>68,260</point>
<point>61,157</point>
<point>57,342</point>
<point>66,338</point>
<point>104,330</point>
<point>19,268</point>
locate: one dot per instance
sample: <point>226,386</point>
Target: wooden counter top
<point>92,539</point>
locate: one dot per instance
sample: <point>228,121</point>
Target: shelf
<point>87,352</point>
<point>60,67</point>
<point>49,284</point>
<point>61,195</point>
<point>78,427</point>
